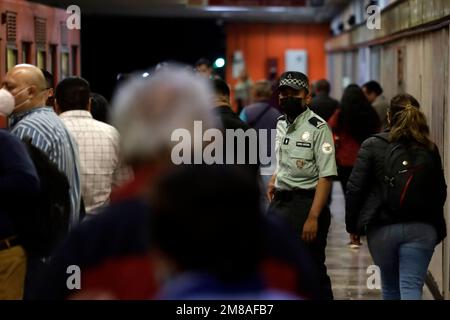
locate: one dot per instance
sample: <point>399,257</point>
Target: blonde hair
<point>408,123</point>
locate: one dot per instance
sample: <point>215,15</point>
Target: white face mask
<point>7,103</point>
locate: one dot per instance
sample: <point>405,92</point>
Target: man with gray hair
<point>145,111</point>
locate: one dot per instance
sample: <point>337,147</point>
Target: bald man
<point>28,86</point>
<point>31,118</point>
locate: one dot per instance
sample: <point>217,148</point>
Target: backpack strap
<point>385,137</point>
<point>260,115</point>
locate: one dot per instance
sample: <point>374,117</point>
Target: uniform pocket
<point>301,162</point>
<point>302,153</point>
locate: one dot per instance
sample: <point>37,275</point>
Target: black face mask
<point>292,106</point>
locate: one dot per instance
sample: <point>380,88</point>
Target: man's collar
<point>76,114</point>
<point>17,116</point>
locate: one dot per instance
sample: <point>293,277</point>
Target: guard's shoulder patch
<point>282,117</point>
<point>316,122</point>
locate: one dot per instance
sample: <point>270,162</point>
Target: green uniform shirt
<point>305,152</point>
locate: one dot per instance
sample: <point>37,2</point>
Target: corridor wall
<point>418,65</point>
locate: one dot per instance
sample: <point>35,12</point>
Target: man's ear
<point>32,90</point>
<point>308,99</point>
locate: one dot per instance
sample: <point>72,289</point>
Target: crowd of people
<point>92,186</point>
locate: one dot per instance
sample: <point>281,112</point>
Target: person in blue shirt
<point>19,185</point>
<point>32,118</point>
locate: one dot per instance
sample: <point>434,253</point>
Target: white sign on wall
<point>296,60</point>
<point>346,81</point>
<point>238,63</point>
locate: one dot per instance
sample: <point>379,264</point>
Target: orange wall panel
<point>256,43</point>
<point>259,42</point>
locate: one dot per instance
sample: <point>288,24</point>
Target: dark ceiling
<point>314,10</point>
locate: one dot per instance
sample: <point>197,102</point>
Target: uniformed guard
<point>306,164</point>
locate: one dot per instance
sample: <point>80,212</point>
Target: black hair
<point>373,87</point>
<point>221,87</point>
<point>73,93</point>
<point>202,61</point>
<point>215,224</point>
<point>357,116</point>
<point>322,86</point>
<point>99,107</point>
<point>49,79</point>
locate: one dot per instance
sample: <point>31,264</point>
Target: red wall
<point>258,42</point>
<point>26,12</point>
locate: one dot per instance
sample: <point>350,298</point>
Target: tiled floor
<point>348,267</point>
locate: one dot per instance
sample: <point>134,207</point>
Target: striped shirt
<point>49,134</point>
<point>101,166</point>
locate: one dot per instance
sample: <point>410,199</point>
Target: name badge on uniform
<point>286,141</point>
<point>303,144</point>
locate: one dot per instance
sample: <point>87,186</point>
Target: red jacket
<point>346,146</point>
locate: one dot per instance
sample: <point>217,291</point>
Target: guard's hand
<point>270,191</point>
<point>310,229</point>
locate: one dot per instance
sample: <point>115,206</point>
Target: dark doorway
<point>114,45</point>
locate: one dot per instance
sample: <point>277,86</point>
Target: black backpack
<point>409,179</point>
<point>47,223</point>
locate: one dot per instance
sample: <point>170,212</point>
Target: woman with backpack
<point>395,196</point>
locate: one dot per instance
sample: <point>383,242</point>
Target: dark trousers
<point>35,266</point>
<point>294,208</point>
